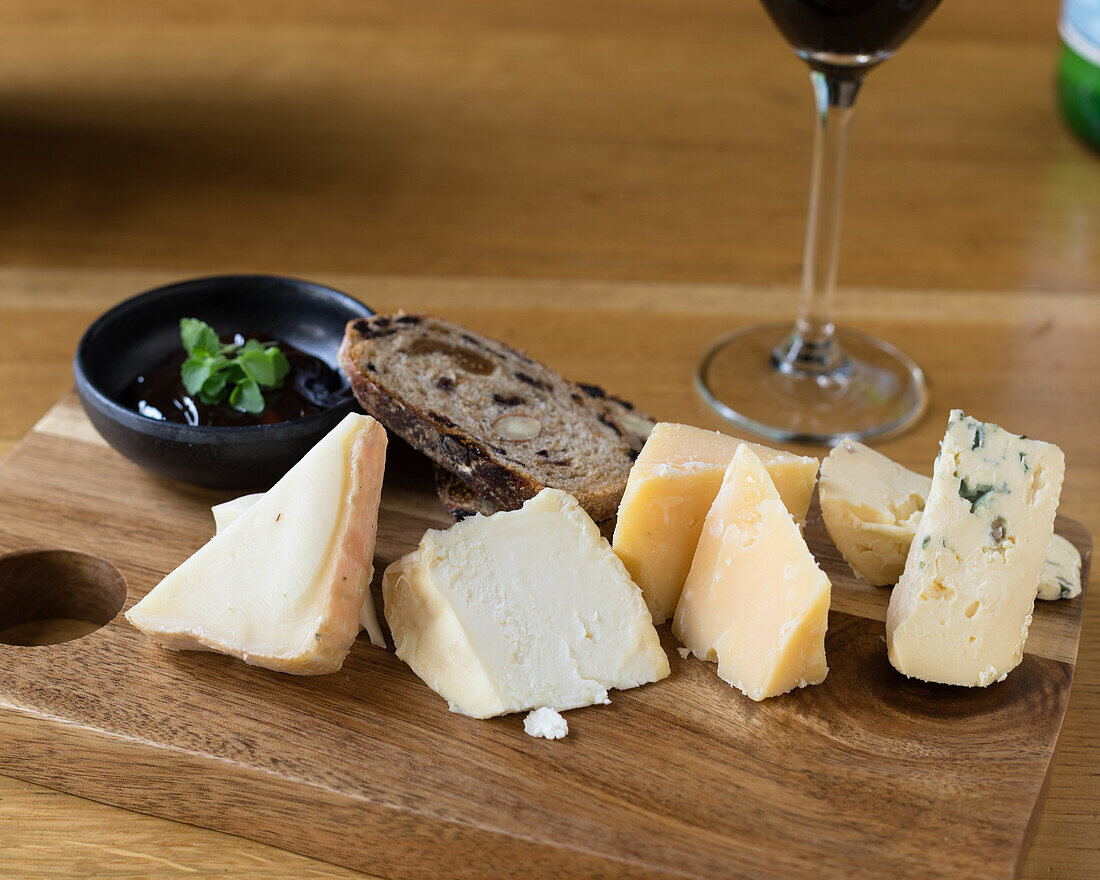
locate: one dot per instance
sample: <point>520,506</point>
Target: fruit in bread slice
<point>462,501</point>
<point>283,584</point>
<point>503,423</point>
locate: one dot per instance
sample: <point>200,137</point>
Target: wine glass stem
<point>812,347</point>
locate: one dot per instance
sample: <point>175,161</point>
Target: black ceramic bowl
<point>143,331</point>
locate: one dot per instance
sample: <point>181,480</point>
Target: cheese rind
<point>755,599</point>
<point>1061,577</point>
<point>283,584</point>
<point>961,611</point>
<point>871,506</point>
<point>520,610</point>
<point>668,493</point>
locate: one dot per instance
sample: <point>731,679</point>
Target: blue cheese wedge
<point>872,506</point>
<point>521,610</point>
<point>1061,577</point>
<point>961,611</point>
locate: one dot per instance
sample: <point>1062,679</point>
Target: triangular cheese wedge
<point>282,585</point>
<point>755,599</point>
<point>519,610</point>
<point>228,511</point>
<point>668,493</point>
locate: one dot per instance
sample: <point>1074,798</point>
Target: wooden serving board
<point>866,774</point>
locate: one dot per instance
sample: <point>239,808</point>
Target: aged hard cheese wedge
<point>755,600</point>
<point>521,610</point>
<point>871,506</point>
<point>670,489</point>
<point>283,584</point>
<point>961,611</point>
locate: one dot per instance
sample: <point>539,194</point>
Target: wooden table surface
<point>647,160</point>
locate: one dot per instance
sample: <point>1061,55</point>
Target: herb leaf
<point>214,389</point>
<point>214,372</point>
<point>194,372</point>
<point>246,397</point>
<point>257,366</point>
<point>199,338</point>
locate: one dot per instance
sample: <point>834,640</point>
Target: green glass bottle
<point>1079,68</point>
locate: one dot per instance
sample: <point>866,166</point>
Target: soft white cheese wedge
<point>282,585</point>
<point>520,610</point>
<point>755,599</point>
<point>872,506</point>
<point>668,493</point>
<point>228,511</point>
<point>961,611</point>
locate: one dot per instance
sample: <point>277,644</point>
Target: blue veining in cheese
<point>961,611</point>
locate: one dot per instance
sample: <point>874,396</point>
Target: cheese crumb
<point>545,722</point>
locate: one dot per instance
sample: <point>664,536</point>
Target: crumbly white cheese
<point>961,611</point>
<point>545,722</point>
<point>520,610</point>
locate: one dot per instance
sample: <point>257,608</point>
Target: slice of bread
<point>504,424</point>
<point>461,501</point>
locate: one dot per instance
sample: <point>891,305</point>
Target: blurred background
<point>624,139</point>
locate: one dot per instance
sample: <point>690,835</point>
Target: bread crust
<point>486,464</point>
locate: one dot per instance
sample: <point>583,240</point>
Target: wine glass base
<point>875,391</point>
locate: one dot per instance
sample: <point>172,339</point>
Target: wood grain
<point>1029,363</point>
<point>867,765</point>
<point>629,139</point>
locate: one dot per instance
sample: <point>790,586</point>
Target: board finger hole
<point>53,596</point>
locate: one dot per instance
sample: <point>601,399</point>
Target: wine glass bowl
<point>846,34</point>
<point>816,383</point>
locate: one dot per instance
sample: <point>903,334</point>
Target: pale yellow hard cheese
<point>755,600</point>
<point>668,493</point>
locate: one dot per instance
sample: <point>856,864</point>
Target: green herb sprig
<point>214,372</point>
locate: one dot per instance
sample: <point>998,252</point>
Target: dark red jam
<point>310,387</point>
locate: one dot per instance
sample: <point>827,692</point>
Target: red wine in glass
<point>867,29</point>
<point>816,383</point>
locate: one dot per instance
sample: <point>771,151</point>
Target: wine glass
<point>817,383</point>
